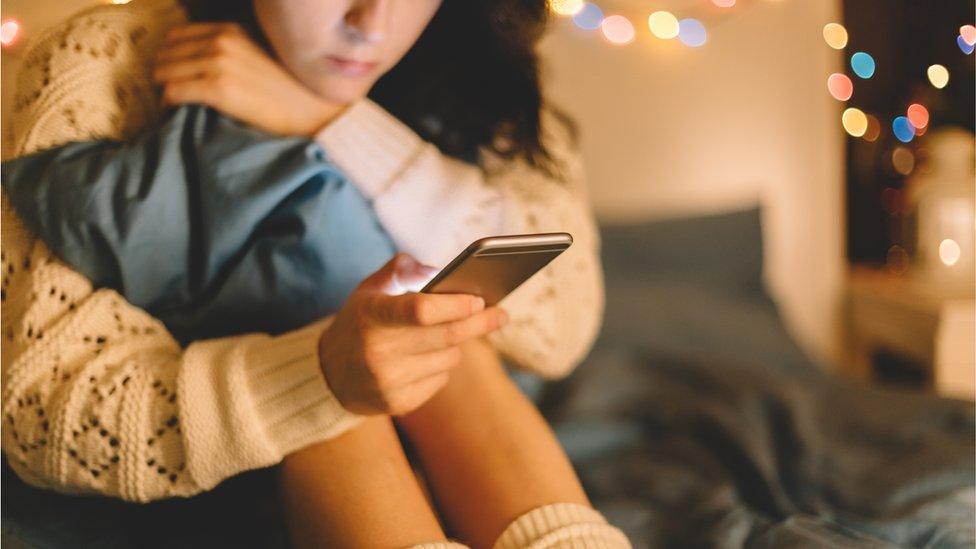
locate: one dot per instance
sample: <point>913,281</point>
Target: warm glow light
<point>949,251</point>
<point>938,76</point>
<point>618,29</point>
<point>968,33</point>
<point>840,86</point>
<point>724,3</point>
<point>835,35</point>
<point>855,122</point>
<point>874,129</point>
<point>903,160</point>
<point>589,17</point>
<point>691,32</point>
<point>918,115</point>
<point>862,64</point>
<point>903,129</point>
<point>663,24</point>
<point>9,31</point>
<point>566,7</point>
<point>121,1</point>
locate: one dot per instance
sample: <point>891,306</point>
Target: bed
<point>695,421</point>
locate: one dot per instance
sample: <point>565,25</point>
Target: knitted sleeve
<point>97,396</point>
<point>433,206</point>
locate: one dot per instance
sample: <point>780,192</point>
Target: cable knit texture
<point>567,525</point>
<point>99,398</point>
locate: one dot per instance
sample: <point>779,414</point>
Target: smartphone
<point>494,266</point>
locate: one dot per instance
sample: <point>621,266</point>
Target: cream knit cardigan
<point>99,398</point>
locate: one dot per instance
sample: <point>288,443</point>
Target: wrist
<point>318,115</point>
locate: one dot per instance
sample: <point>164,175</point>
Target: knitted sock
<point>446,544</point>
<point>562,525</point>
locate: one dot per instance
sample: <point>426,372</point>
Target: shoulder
<point>89,75</point>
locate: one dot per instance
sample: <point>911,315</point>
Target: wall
<point>671,130</point>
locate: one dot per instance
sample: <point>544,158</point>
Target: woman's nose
<point>366,20</point>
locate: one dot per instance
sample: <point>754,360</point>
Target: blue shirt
<point>212,226</point>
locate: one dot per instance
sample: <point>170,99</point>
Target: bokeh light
<point>897,260</point>
<point>938,76</point>
<point>891,200</point>
<point>862,64</point>
<point>835,35</point>
<point>663,24</point>
<point>903,129</point>
<point>918,115</point>
<point>9,30</point>
<point>949,252</point>
<point>724,3</point>
<point>966,47</point>
<point>691,32</point>
<point>968,33</point>
<point>903,160</point>
<point>618,29</point>
<point>874,129</point>
<point>855,122</point>
<point>588,17</point>
<point>566,7</point>
<point>840,86</point>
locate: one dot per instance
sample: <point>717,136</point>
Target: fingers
<point>426,309</point>
<point>415,340</point>
<point>189,69</point>
<point>192,31</point>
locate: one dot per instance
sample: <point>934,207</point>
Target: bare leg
<point>487,453</point>
<point>356,490</point>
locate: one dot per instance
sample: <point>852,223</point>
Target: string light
<point>938,76</point>
<point>966,47</point>
<point>903,129</point>
<point>968,33</point>
<point>903,160</point>
<point>589,17</point>
<point>897,260</point>
<point>566,7</point>
<point>9,31</point>
<point>949,252</point>
<point>835,35</point>
<point>918,115</point>
<point>874,129</point>
<point>840,86</point>
<point>618,30</point>
<point>724,3</point>
<point>691,32</point>
<point>862,64</point>
<point>855,122</point>
<point>663,24</point>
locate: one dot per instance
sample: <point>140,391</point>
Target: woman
<point>130,413</point>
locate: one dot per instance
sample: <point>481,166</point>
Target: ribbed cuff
<point>290,394</point>
<point>370,145</point>
<point>561,525</point>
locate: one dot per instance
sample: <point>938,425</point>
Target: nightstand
<point>896,316</point>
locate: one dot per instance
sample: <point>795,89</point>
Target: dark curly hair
<point>471,80</point>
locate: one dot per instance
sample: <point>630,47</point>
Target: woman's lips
<point>351,67</point>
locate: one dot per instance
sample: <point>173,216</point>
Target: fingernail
<point>477,304</point>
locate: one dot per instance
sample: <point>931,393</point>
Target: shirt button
<point>315,152</point>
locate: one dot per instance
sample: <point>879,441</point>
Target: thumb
<point>400,274</point>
